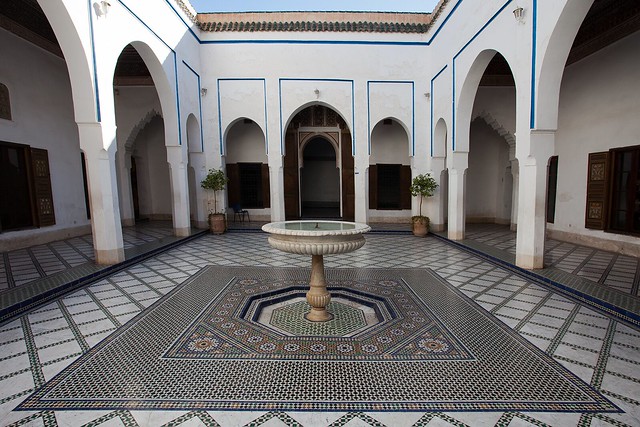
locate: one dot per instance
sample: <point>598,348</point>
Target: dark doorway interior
<point>320,181</point>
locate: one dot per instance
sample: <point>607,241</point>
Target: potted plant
<point>422,185</point>
<point>215,180</point>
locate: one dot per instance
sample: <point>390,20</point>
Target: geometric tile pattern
<point>228,326</point>
<point>597,348</point>
<point>130,370</point>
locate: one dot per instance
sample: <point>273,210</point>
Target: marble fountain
<point>316,238</point>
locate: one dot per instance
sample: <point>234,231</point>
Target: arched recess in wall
<point>317,119</point>
<point>194,144</point>
<point>5,102</point>
<point>141,160</point>
<point>440,134</point>
<point>389,169</point>
<point>247,166</point>
<point>489,192</point>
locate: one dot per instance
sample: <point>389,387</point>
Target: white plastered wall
<point>43,117</point>
<point>599,110</point>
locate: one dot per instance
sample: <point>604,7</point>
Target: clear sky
<point>324,5</point>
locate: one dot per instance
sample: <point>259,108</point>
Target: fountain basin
<point>316,238</point>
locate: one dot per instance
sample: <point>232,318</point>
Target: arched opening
<point>389,172</point>
<point>194,143</point>
<point>597,159</point>
<point>439,162</point>
<point>41,168</point>
<point>319,180</point>
<point>143,171</point>
<point>323,123</point>
<point>489,192</point>
<point>247,169</point>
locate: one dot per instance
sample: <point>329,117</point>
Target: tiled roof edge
<point>315,26</point>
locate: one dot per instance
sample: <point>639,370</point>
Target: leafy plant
<point>424,186</point>
<point>215,180</point>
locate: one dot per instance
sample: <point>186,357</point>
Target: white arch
<point>311,104</point>
<point>233,124</point>
<point>77,55</point>
<point>194,141</point>
<point>553,61</point>
<point>402,125</point>
<point>440,134</point>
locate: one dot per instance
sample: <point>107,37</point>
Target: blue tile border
<point>12,310</point>
<point>607,308</point>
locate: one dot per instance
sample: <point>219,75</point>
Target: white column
<point>179,179</point>
<point>123,157</point>
<point>103,191</point>
<point>361,183</point>
<point>198,162</point>
<point>532,199</point>
<point>458,164</point>
<point>435,204</point>
<point>276,186</point>
<point>515,173</point>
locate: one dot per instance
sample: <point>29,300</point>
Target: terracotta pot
<point>420,228</point>
<point>217,224</point>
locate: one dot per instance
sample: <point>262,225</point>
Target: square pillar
<point>106,227</point>
<point>458,164</point>
<point>179,179</point>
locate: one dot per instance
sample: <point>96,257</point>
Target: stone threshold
<point>20,299</point>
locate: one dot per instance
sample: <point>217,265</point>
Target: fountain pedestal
<point>316,238</point>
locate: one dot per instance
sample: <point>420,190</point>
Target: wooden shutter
<point>291,189</point>
<point>348,178</point>
<point>597,186</point>
<point>233,186</point>
<point>266,188</point>
<point>405,184</point>
<point>42,187</point>
<point>373,186</point>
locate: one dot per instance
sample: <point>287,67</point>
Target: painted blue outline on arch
<point>199,104</point>
<point>95,64</point>
<point>353,109</point>
<point>534,47</point>
<point>413,111</point>
<point>175,65</point>
<point>431,101</point>
<point>266,124</point>
<point>453,103</point>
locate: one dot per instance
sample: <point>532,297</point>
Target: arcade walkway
<point>95,334</point>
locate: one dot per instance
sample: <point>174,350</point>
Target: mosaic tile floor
<point>602,352</point>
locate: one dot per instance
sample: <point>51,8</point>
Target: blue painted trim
<point>183,21</point>
<point>368,120</point>
<point>315,42</point>
<point>413,111</point>
<point>280,119</point>
<point>95,64</point>
<point>444,22</point>
<point>266,124</point>
<point>219,116</point>
<point>353,113</point>
<point>199,104</point>
<point>534,47</point>
<point>431,101</point>
<point>175,67</point>
<point>453,106</point>
<point>495,15</point>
